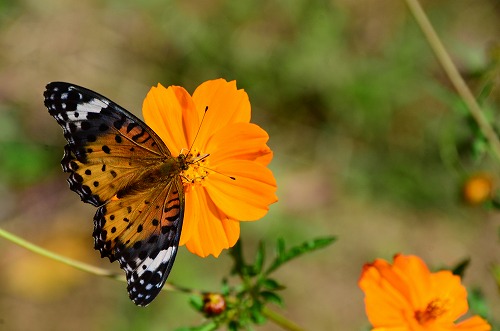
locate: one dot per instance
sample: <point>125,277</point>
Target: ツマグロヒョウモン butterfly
<point>118,164</point>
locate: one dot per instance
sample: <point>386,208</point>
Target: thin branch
<point>271,315</point>
<point>453,74</point>
<point>78,264</point>
<point>280,320</point>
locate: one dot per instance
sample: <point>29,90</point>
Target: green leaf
<point>269,296</point>
<point>459,269</point>
<point>239,267</point>
<point>210,326</point>
<point>477,303</point>
<point>485,92</point>
<point>225,288</point>
<point>233,326</point>
<point>294,252</point>
<point>271,284</point>
<point>256,314</point>
<point>495,204</point>
<point>260,258</point>
<point>196,302</point>
<point>280,249</point>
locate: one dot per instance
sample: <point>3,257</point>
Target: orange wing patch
<point>117,163</point>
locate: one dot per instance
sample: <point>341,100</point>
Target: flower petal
<point>449,289</point>
<point>226,105</point>
<point>475,323</point>
<point>213,206</point>
<point>192,211</point>
<point>248,196</point>
<point>386,295</point>
<point>213,231</point>
<point>166,110</point>
<point>251,144</point>
<point>407,296</point>
<point>416,275</point>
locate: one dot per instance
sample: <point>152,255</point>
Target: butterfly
<point>120,165</point>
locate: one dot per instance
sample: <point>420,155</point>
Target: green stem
<point>271,315</point>
<point>77,264</point>
<point>281,320</point>
<point>496,273</point>
<point>453,74</point>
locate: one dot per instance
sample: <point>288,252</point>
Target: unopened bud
<point>213,304</point>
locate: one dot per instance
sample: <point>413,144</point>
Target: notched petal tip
<point>226,105</point>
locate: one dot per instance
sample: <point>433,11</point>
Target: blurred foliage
<point>479,305</point>
<point>240,306</point>
<point>348,91</point>
<point>305,73</point>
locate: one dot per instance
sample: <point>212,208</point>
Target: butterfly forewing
<point>117,163</point>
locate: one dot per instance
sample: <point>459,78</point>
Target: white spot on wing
<point>93,106</point>
<point>162,258</point>
<point>71,116</point>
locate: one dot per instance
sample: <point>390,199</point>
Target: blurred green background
<point>371,144</point>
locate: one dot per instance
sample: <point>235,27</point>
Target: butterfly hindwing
<point>117,163</point>
<point>145,250</point>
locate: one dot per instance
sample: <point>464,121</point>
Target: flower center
<point>433,311</point>
<point>198,168</point>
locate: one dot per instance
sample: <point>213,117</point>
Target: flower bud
<point>213,304</point>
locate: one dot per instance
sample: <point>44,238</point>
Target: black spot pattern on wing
<point>91,124</point>
<point>140,243</point>
<point>117,163</point>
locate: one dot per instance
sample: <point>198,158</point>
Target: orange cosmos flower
<point>215,202</point>
<point>406,296</point>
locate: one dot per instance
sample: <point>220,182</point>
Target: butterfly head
<point>194,166</point>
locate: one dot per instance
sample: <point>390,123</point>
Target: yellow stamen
<point>198,167</point>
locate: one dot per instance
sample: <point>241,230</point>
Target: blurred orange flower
<point>478,188</point>
<point>232,183</point>
<point>406,296</point>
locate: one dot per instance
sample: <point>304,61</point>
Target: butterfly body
<point>118,164</point>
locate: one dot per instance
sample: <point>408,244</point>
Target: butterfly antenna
<point>197,132</point>
<point>220,173</point>
<point>206,155</point>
